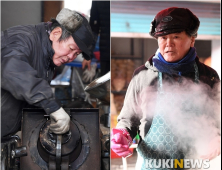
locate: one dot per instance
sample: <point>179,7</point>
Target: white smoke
<point>192,110</point>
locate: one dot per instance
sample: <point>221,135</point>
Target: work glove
<point>120,142</point>
<point>89,74</point>
<point>60,122</point>
<point>213,149</point>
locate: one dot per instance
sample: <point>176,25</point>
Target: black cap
<point>79,27</point>
<point>173,20</point>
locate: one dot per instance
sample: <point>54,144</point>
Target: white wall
<point>82,6</point>
<point>20,13</point>
<point>216,56</point>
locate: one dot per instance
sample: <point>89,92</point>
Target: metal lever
<point>58,152</point>
<point>19,152</point>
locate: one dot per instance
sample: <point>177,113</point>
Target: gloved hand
<point>89,74</point>
<point>60,121</point>
<point>213,149</point>
<point>120,142</point>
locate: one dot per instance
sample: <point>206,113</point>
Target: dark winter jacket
<point>26,71</point>
<point>100,24</point>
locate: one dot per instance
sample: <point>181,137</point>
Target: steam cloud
<point>192,110</point>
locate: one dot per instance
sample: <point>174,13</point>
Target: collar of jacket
<point>149,64</point>
<point>46,43</point>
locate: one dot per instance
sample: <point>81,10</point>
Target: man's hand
<point>86,63</point>
<point>213,149</point>
<point>60,121</point>
<point>87,75</point>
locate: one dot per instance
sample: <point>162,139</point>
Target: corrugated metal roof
<point>201,9</point>
<point>135,17</point>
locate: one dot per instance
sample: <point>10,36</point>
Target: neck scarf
<point>181,67</point>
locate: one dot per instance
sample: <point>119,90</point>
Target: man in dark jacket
<point>172,101</point>
<point>100,24</point>
<point>29,55</point>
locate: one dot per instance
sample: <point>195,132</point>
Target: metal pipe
<point>58,152</point>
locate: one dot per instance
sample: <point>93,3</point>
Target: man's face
<point>65,51</point>
<point>175,46</point>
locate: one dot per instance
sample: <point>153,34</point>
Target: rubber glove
<point>213,149</point>
<point>60,121</point>
<point>120,142</point>
<point>89,74</point>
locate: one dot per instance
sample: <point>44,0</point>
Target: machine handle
<point>58,151</point>
<point>19,152</point>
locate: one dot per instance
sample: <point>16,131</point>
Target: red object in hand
<point>120,142</point>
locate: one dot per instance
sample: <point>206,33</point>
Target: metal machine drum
<point>100,88</point>
<point>77,149</point>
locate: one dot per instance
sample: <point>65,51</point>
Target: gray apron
<point>161,142</point>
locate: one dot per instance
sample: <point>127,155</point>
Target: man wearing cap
<point>29,55</point>
<point>151,96</point>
